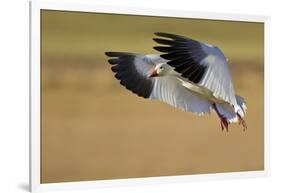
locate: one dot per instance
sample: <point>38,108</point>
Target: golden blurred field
<point>93,128</point>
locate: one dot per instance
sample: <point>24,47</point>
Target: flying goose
<point>189,75</point>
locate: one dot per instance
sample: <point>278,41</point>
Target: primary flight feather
<point>188,74</point>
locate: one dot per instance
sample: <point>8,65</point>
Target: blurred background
<point>92,128</point>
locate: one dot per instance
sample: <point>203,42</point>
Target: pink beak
<point>152,73</point>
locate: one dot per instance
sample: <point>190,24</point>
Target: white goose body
<point>205,93</point>
<point>190,75</point>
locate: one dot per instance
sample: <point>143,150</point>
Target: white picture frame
<point>36,6</point>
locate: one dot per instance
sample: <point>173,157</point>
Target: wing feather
<point>170,90</point>
<point>218,79</point>
<point>199,63</point>
<point>131,69</point>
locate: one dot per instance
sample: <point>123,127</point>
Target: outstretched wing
<point>199,63</point>
<point>132,71</point>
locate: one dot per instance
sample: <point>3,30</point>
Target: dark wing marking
<point>131,69</point>
<point>131,72</point>
<point>184,54</point>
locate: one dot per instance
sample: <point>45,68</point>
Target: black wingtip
<point>113,61</point>
<point>170,35</point>
<point>112,54</point>
<point>157,40</point>
<point>164,41</point>
<point>157,33</point>
<point>107,53</point>
<point>118,54</point>
<point>161,48</point>
<point>163,34</point>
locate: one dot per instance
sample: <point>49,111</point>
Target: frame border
<point>35,7</point>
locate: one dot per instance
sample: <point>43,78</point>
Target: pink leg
<point>223,121</point>
<point>241,122</point>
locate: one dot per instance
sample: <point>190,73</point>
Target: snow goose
<point>189,75</point>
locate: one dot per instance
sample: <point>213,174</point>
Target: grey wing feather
<point>218,79</point>
<point>170,90</point>
<point>243,106</point>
